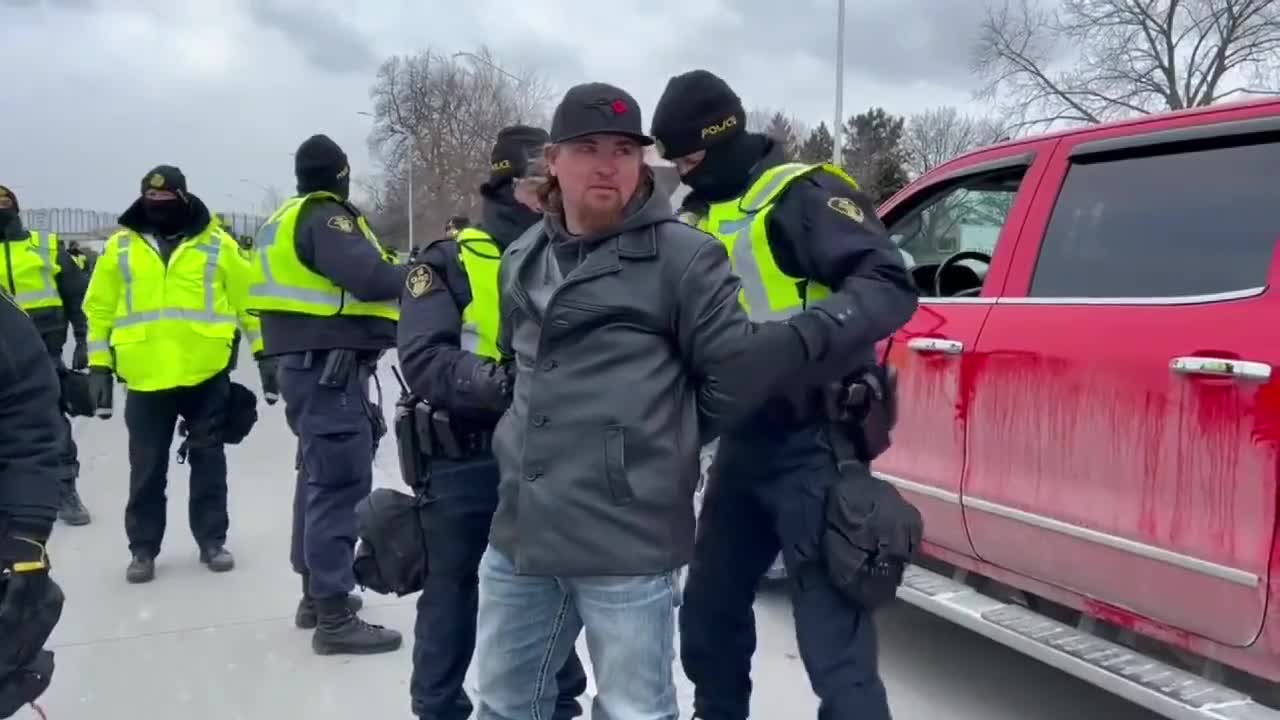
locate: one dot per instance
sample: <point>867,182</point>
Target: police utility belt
<point>425,433</point>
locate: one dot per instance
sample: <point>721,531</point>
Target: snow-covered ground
<point>193,645</point>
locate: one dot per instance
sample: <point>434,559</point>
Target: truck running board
<point>1155,685</point>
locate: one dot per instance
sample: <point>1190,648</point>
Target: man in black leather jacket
<point>447,344</point>
<point>631,352</point>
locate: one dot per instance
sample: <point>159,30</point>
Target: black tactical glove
<point>267,368</point>
<point>80,356</point>
<point>490,386</point>
<point>102,387</point>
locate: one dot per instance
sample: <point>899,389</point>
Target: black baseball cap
<point>593,108</point>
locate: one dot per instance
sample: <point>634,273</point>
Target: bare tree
<point>788,130</point>
<point>442,113</point>
<point>935,136</point>
<point>758,119</point>
<point>272,199</point>
<point>1124,57</point>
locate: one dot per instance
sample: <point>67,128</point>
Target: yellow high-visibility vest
<point>168,325</point>
<point>480,257</point>
<point>742,225</point>
<point>280,282</point>
<point>29,270</point>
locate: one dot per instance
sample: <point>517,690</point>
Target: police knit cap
<point>697,110</point>
<point>165,178</point>
<point>319,163</point>
<point>515,147</point>
<point>7,193</point>
<point>596,109</point>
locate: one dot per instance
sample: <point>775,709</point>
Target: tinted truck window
<point>1187,223</point>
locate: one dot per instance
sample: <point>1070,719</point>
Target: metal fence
<point>95,224</point>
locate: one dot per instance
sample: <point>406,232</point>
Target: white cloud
<point>226,89</point>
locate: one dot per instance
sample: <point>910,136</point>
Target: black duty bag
<point>242,414</point>
<point>392,555</point>
<point>871,534</point>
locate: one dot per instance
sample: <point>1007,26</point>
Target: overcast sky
<point>96,92</point>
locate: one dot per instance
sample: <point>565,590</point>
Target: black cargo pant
<point>462,499</point>
<point>151,418</point>
<point>335,449</point>
<point>766,493</point>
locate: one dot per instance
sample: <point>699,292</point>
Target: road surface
<point>200,646</point>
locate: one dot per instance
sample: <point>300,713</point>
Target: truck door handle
<point>1221,367</point>
<point>936,345</point>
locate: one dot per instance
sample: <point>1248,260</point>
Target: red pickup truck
<point>1090,402</point>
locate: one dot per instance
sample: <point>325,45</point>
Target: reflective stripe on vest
<point>742,225</point>
<point>480,257</point>
<point>211,247</point>
<point>281,283</point>
<point>33,266</point>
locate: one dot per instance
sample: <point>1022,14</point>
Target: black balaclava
<point>170,216</point>
<point>321,166</point>
<point>504,217</point>
<point>699,111</point>
<point>10,217</point>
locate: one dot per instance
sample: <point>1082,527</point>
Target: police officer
<point>49,285</point>
<point>793,233</point>
<point>163,305</point>
<point>328,296</point>
<point>447,345</point>
<point>84,258</point>
<point>31,463</point>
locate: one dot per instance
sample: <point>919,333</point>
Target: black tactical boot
<point>142,569</point>
<point>72,511</point>
<point>339,631</point>
<point>305,618</point>
<point>217,558</point>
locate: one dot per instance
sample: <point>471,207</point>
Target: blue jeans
<point>463,497</point>
<point>528,625</point>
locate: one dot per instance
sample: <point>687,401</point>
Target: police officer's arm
<point>72,283</point>
<point>821,228</point>
<point>29,428</point>
<point>235,272</point>
<point>100,302</point>
<point>338,251</point>
<point>435,366</point>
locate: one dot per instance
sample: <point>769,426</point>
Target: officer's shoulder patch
<point>848,208</point>
<point>419,281</point>
<point>342,223</point>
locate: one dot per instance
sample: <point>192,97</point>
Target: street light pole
<point>836,148</point>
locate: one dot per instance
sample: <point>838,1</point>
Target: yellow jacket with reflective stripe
<point>163,327</point>
<point>480,257</point>
<point>280,282</point>
<point>742,225</point>
<point>29,270</point>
